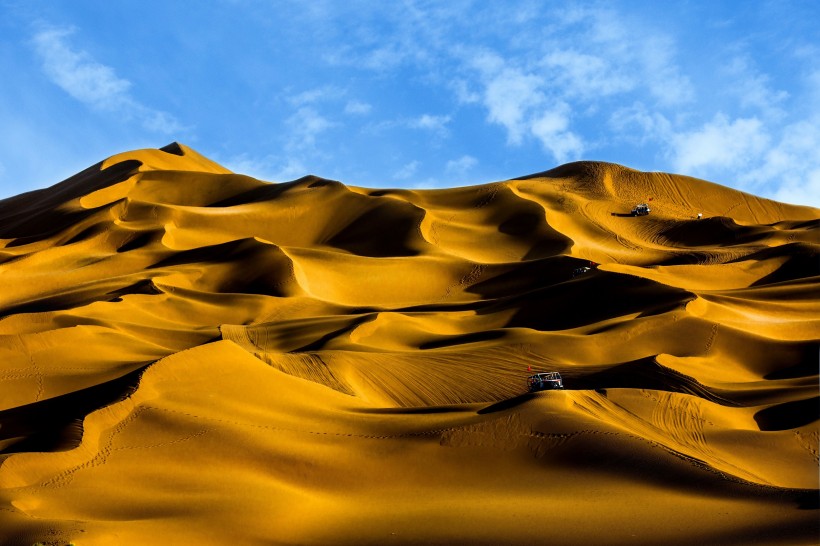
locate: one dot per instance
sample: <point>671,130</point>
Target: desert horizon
<point>191,355</point>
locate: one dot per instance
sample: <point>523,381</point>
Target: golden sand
<point>192,356</point>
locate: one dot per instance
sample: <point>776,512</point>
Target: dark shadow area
<point>807,224</point>
<point>809,500</point>
<point>644,373</point>
<point>145,287</point>
<point>323,182</point>
<point>37,215</point>
<point>525,221</point>
<point>319,344</point>
<point>139,240</point>
<point>687,257</point>
<point>589,299</point>
<point>530,275</point>
<point>805,355</point>
<point>55,424</point>
<point>267,192</point>
<point>521,224</point>
<point>385,230</point>
<point>509,403</point>
<point>789,415</point>
<point>622,214</point>
<point>250,267</point>
<point>715,231</point>
<point>219,253</point>
<point>452,341</point>
<point>679,473</point>
<point>86,234</point>
<point>802,261</point>
<point>80,298</point>
<point>419,410</point>
<point>173,148</point>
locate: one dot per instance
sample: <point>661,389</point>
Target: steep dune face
<point>190,353</point>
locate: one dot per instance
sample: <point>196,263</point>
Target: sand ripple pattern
<point>194,354</point>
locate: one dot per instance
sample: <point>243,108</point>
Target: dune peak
<point>314,362</point>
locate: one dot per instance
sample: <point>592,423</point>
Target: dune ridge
<point>192,353</point>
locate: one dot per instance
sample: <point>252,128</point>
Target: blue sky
<point>417,94</point>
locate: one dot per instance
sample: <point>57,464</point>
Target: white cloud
<point>461,165</point>
<point>305,125</point>
<point>407,171</point>
<point>437,124</point>
<point>312,96</point>
<point>805,191</point>
<point>751,88</point>
<point>521,101</point>
<point>661,74</point>
<point>93,83</point>
<point>358,108</point>
<point>509,96</point>
<point>591,76</point>
<point>790,170</point>
<point>719,145</point>
<point>616,54</point>
<point>551,129</point>
<point>268,168</point>
<point>639,125</point>
<point>464,92</point>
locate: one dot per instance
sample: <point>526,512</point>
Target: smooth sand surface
<point>192,356</point>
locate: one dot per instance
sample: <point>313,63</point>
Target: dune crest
<point>191,353</point>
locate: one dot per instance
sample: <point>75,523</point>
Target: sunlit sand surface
<point>193,356</point>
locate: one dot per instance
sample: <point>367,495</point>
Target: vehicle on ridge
<point>641,210</point>
<point>545,381</point>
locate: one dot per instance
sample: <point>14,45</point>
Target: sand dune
<point>193,356</point>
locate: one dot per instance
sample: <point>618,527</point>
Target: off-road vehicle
<point>545,381</point>
<point>641,210</point>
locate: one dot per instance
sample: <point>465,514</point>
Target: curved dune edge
<point>189,424</point>
<point>338,364</point>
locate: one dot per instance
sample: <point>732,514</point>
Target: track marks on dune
<point>713,332</point>
<point>101,457</point>
<point>507,433</point>
<point>297,430</point>
<point>676,423</point>
<point>107,448</point>
<point>810,442</point>
<point>682,418</point>
<point>308,366</point>
<point>36,372</point>
<point>466,280</point>
<point>432,378</point>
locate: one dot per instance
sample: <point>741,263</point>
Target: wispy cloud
<point>304,126</point>
<point>752,89</point>
<point>92,83</point>
<point>460,166</point>
<point>719,144</point>
<point>312,96</point>
<point>407,171</point>
<point>437,124</point>
<point>791,164</point>
<point>520,100</point>
<point>357,108</point>
<point>590,75</point>
<point>268,168</point>
<point>657,68</point>
<point>551,127</point>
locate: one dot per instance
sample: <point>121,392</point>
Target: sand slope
<point>197,355</point>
